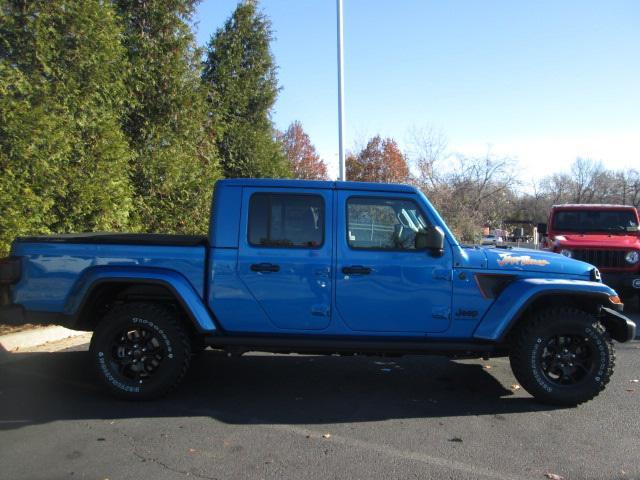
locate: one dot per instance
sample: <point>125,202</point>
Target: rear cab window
<point>280,220</point>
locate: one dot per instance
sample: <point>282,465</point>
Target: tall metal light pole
<point>343,172</point>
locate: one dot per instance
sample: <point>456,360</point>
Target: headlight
<point>566,252</point>
<point>632,257</point>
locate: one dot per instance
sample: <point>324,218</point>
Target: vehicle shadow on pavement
<point>263,389</point>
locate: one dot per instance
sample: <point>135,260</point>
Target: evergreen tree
<point>63,158</point>
<point>240,75</point>
<point>175,162</point>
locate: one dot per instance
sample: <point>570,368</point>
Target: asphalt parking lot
<point>292,417</point>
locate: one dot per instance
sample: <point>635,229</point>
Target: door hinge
<point>320,310</point>
<point>441,312</point>
<point>442,274</point>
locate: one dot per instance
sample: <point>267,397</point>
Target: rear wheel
<point>562,356</point>
<point>141,350</point>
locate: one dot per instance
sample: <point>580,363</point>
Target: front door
<point>383,283</point>
<point>285,256</point>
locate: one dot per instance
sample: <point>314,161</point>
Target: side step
<point>338,345</point>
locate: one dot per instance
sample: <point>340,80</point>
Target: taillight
<point>10,270</point>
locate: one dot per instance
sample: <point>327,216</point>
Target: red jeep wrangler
<point>606,236</point>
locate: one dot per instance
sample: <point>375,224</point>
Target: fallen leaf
<point>554,476</point>
<point>515,387</point>
<point>326,435</point>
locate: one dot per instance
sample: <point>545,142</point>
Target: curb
<point>15,342</point>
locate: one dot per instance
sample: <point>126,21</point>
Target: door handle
<point>356,270</point>
<point>265,267</point>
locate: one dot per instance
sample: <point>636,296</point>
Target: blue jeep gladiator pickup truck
<point>320,268</point>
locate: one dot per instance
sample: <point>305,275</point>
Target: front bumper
<point>618,325</point>
<point>622,282</point>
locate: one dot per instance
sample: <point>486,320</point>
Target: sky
<point>543,82</point>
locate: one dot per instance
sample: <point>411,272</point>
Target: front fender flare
<point>519,294</point>
<point>172,280</point>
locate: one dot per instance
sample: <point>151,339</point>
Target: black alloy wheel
<point>567,359</point>
<point>138,353</point>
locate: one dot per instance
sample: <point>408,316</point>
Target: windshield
<point>595,221</point>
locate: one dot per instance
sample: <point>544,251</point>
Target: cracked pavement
<point>266,416</point>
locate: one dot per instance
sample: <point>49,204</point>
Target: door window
<point>286,221</point>
<point>383,224</point>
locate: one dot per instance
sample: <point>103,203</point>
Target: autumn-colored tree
<point>303,159</point>
<point>379,161</point>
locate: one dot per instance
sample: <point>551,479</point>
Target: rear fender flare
<point>176,283</point>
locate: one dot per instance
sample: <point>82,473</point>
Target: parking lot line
<point>389,451</point>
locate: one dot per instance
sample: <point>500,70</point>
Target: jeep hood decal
<point>522,259</point>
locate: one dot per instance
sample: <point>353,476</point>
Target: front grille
<point>602,258</point>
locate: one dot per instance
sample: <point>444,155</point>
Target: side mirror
<point>431,239</point>
<point>542,228</point>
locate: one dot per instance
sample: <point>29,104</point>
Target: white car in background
<point>491,240</point>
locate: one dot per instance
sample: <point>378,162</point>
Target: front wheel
<point>140,350</point>
<point>562,356</point>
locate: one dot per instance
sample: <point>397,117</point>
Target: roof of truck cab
<point>317,184</point>
<point>592,206</point>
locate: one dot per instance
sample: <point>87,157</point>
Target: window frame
<point>374,249</point>
<point>286,194</point>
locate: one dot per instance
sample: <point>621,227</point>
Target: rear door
<point>285,255</point>
<point>383,283</point>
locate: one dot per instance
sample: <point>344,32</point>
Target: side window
<point>383,224</point>
<point>283,220</point>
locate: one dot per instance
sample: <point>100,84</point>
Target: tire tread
<point>521,338</point>
<point>155,311</point>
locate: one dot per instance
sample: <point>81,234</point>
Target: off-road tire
<point>527,351</point>
<point>170,336</point>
